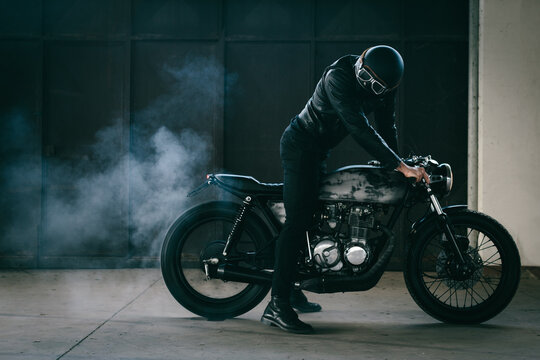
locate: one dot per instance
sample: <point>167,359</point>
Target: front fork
<point>444,223</point>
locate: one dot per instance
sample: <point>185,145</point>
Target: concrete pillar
<point>509,119</point>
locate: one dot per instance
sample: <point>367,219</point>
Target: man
<point>349,89</point>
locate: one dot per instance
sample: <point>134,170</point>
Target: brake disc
<point>460,276</point>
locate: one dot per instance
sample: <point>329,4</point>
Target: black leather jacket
<point>339,106</point>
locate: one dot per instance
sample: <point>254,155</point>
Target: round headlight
<point>447,173</point>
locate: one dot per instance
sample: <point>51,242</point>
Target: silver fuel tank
<point>363,183</point>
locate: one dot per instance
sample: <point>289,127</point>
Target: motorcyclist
<point>349,89</point>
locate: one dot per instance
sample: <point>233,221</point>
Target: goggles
<point>365,79</point>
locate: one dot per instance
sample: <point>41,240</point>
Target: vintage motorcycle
<point>461,266</point>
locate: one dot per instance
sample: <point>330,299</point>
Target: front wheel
<point>200,234</point>
<point>468,292</point>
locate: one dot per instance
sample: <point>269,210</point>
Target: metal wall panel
<point>83,92</point>
<point>22,17</point>
<point>352,19</point>
<point>272,85</point>
<point>183,81</point>
<point>435,98</point>
<point>268,19</point>
<point>20,151</point>
<point>83,95</point>
<point>436,20</point>
<point>186,19</point>
<point>87,18</point>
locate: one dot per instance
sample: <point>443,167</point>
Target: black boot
<point>280,313</point>
<point>300,302</point>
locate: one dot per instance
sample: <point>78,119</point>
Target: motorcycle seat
<point>248,185</point>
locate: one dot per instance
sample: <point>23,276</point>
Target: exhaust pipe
<point>242,274</point>
<point>320,285</point>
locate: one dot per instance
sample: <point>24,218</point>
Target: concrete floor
<point>129,314</point>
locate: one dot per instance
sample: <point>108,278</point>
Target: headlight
<point>442,179</point>
<point>449,177</point>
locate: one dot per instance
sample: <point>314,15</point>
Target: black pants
<point>303,162</point>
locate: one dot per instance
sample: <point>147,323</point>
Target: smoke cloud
<point>111,195</point>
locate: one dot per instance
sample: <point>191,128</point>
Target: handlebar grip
<point>411,180</point>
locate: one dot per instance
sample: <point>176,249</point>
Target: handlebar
<point>412,181</point>
<point>423,161</point>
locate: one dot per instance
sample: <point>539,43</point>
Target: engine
<point>342,243</point>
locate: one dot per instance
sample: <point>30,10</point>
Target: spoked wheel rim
<point>457,285</point>
<point>191,250</point>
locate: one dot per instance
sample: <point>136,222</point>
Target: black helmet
<point>379,69</point>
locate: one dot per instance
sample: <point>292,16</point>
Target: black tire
<point>199,229</point>
<point>489,286</point>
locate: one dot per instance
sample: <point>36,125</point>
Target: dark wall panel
<point>88,17</point>
<point>20,151</point>
<point>426,18</point>
<point>436,107</point>
<point>176,84</point>
<point>280,19</point>
<point>22,17</point>
<point>192,18</point>
<point>272,85</point>
<point>20,72</point>
<point>353,18</point>
<point>84,94</point>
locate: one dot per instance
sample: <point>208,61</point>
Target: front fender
<point>449,210</point>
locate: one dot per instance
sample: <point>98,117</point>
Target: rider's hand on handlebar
<point>415,172</point>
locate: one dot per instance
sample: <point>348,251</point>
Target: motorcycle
<point>461,266</point>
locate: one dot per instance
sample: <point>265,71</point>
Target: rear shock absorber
<point>231,239</point>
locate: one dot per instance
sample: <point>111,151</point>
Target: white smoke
<point>109,193</point>
<point>161,181</point>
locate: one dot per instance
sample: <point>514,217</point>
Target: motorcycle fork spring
<point>444,224</point>
<point>238,221</point>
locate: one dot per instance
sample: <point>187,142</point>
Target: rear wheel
<point>201,234</point>
<point>466,292</point>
